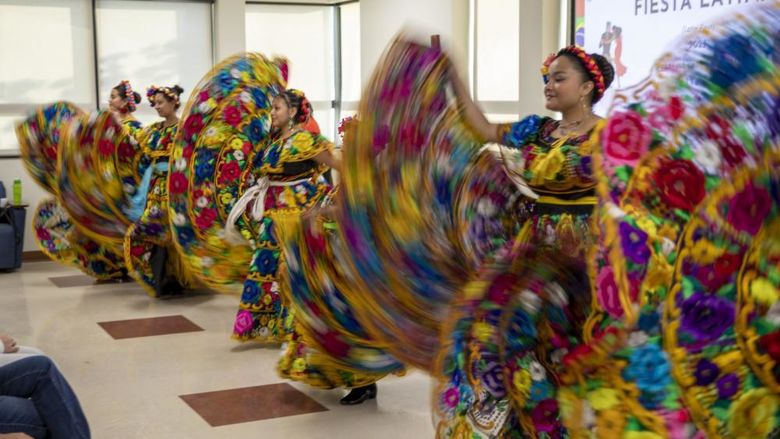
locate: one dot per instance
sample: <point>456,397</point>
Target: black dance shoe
<point>359,395</point>
<point>171,288</point>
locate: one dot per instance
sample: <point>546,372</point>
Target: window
<point>8,120</point>
<point>46,47</point>
<point>310,53</point>
<point>152,43</point>
<point>49,54</point>
<point>304,34</point>
<point>498,50</point>
<point>495,27</point>
<point>351,88</point>
<point>349,15</point>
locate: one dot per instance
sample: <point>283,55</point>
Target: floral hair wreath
<point>129,98</point>
<point>167,91</point>
<point>305,111</point>
<point>586,60</point>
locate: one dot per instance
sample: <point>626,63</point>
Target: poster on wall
<point>632,34</point>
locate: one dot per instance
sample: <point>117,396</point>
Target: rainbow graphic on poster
<point>579,23</point>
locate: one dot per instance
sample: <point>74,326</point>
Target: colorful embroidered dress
<point>290,181</point>
<point>60,240</point>
<point>42,138</point>
<point>556,226</point>
<point>326,346</point>
<point>226,119</point>
<point>293,182</point>
<point>687,258</point>
<point>559,171</point>
<point>131,124</point>
<point>682,337</point>
<point>149,254</point>
<point>320,350</point>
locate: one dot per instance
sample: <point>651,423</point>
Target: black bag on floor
<point>11,237</point>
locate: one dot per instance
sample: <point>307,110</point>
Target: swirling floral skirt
<point>151,258</point>
<point>61,241</point>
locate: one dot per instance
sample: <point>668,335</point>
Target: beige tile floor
<point>130,388</point>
